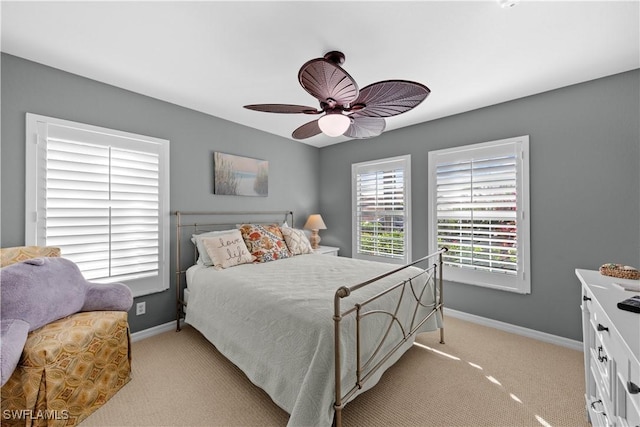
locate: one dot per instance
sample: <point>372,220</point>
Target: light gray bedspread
<point>274,321</point>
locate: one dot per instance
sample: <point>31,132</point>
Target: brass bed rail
<point>209,224</point>
<point>365,371</point>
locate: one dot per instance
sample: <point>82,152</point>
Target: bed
<point>313,331</point>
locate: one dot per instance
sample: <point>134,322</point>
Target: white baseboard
<point>507,327</point>
<point>155,330</point>
<point>518,330</point>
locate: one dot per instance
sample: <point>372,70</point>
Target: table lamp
<point>315,223</point>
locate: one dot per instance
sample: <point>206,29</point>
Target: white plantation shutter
<point>476,207</point>
<point>75,213</point>
<point>101,196</point>
<point>381,210</point>
<point>479,197</point>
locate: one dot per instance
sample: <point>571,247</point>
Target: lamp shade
<point>334,124</point>
<point>315,222</point>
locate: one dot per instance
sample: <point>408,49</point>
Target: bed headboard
<point>189,223</point>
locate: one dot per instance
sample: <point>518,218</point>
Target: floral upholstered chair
<point>69,367</point>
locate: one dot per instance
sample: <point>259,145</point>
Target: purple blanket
<point>41,290</point>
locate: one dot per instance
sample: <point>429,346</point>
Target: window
<point>102,197</point>
<point>479,209</point>
<point>381,210</point>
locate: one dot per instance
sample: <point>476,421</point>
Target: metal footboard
<point>366,368</point>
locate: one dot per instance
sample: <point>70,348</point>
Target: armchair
<point>70,366</point>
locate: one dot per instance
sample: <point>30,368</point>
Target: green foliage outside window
<point>496,249</point>
<point>373,241</point>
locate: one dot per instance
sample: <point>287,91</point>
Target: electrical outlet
<point>141,308</point>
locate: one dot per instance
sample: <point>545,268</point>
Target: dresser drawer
<point>628,393</point>
<point>602,368</point>
<point>600,323</point>
<point>633,384</point>
<point>600,412</point>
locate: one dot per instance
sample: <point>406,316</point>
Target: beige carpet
<point>480,377</point>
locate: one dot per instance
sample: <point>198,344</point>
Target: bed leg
<point>337,419</point>
<point>441,296</point>
<point>178,316</point>
<point>442,327</point>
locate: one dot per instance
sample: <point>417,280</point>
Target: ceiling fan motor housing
<point>335,57</point>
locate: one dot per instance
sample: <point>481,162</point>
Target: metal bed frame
<point>207,225</point>
<point>365,369</point>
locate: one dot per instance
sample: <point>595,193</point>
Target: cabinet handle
<point>602,328</point>
<point>602,358</point>
<point>585,298</point>
<point>633,388</point>
<point>593,406</point>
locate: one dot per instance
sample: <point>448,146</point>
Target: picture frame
<point>240,176</point>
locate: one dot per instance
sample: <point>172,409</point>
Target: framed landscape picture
<point>240,176</point>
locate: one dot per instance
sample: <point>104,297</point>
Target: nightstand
<point>326,250</point>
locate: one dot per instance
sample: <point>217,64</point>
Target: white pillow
<point>203,256</point>
<point>296,240</point>
<point>227,249</point>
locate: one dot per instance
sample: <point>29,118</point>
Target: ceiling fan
<point>347,110</point>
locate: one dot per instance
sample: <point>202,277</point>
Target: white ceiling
<point>215,56</point>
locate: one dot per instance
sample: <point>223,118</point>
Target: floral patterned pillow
<point>265,242</point>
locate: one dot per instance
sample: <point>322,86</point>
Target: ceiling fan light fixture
<point>334,124</point>
<point>507,4</point>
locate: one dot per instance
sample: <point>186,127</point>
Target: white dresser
<point>611,340</point>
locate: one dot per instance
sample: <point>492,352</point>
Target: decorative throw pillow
<point>227,249</point>
<point>265,242</point>
<point>203,256</point>
<point>297,241</point>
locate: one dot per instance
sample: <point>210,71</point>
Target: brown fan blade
<point>307,130</point>
<point>390,98</point>
<point>282,108</point>
<point>365,127</point>
<point>328,82</point>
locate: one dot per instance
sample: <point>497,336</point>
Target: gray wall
<point>585,179</point>
<point>34,88</point>
<point>585,187</point>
